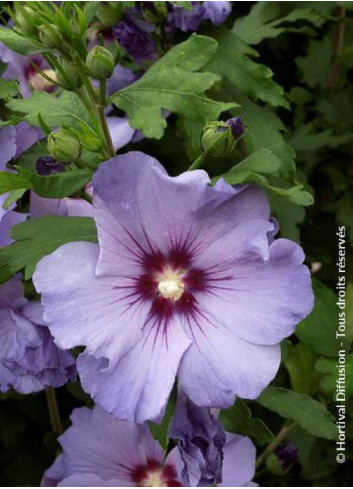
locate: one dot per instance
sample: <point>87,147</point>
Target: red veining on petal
<point>155,475</point>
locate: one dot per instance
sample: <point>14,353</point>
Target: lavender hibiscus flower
<point>190,20</point>
<point>186,281</point>
<point>29,360</point>
<point>99,450</point>
<point>134,34</point>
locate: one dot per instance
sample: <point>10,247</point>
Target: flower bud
<point>47,165</point>
<point>283,458</point>
<point>64,146</point>
<point>71,79</point>
<point>219,137</point>
<point>110,15</point>
<point>24,20</point>
<point>92,143</point>
<point>50,35</point>
<point>100,62</point>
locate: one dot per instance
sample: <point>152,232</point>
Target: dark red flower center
<point>155,475</point>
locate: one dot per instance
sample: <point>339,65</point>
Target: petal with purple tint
<point>122,238</point>
<point>9,220</point>
<point>238,462</point>
<point>138,386</point>
<point>83,309</point>
<point>219,365</point>
<point>40,206</point>
<point>16,68</point>
<point>26,136</point>
<point>97,443</point>
<point>92,480</point>
<point>217,12</point>
<point>121,78</point>
<point>120,130</point>
<point>240,296</point>
<point>7,145</point>
<point>11,293</point>
<point>200,441</point>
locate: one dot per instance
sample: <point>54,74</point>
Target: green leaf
<point>311,415</point>
<point>265,162</point>
<point>55,111</point>
<point>90,10</point>
<point>238,420</point>
<point>300,364</point>
<point>160,431</point>
<point>253,79</point>
<point>37,238</point>
<point>13,197</point>
<point>173,84</point>
<point>54,186</point>
<point>8,89</point>
<point>58,185</point>
<point>319,328</point>
<point>328,367</point>
<point>11,181</point>
<point>269,20</point>
<point>315,66</point>
<point>18,43</point>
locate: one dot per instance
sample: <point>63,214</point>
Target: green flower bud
<point>24,18</point>
<point>50,35</point>
<point>92,143</point>
<point>100,63</point>
<point>71,79</point>
<point>64,146</point>
<point>109,15</point>
<point>217,139</point>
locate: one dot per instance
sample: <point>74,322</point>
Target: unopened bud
<point>110,15</point>
<point>100,62</point>
<point>92,143</point>
<point>50,35</point>
<point>64,146</point>
<point>283,458</point>
<point>24,18</point>
<point>219,137</point>
<point>47,165</point>
<point>69,78</point>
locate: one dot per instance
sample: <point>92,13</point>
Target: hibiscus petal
<point>138,386</point>
<point>83,309</point>
<point>262,302</point>
<point>218,365</point>
<point>97,440</point>
<point>239,461</point>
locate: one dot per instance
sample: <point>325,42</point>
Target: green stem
<point>53,410</point>
<point>96,108</point>
<point>337,50</point>
<point>274,444</point>
<point>198,162</point>
<point>102,92</point>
